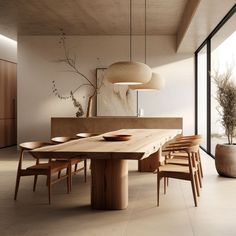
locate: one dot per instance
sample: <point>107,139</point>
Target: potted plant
<point>225,154</point>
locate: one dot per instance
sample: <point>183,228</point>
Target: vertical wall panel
<point>7,103</point>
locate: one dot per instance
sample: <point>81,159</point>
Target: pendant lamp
<point>128,72</point>
<point>156,82</point>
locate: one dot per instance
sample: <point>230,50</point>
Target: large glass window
<point>223,58</point>
<point>217,55</point>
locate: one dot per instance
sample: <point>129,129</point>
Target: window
<point>217,53</point>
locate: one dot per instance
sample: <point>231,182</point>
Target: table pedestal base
<point>150,163</point>
<point>109,189</point>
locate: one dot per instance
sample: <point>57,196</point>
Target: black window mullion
<point>208,96</point>
<point>196,91</point>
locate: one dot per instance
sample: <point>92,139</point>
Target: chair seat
<point>177,161</point>
<point>73,160</point>
<point>175,168</point>
<point>55,166</point>
<point>76,160</point>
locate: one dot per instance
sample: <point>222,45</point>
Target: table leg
<point>109,190</point>
<point>150,163</point>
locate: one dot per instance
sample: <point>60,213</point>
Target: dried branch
<point>226,97</point>
<point>71,62</point>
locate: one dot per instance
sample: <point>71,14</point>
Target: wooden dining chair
<point>47,169</point>
<point>198,136</point>
<point>180,157</point>
<point>74,161</point>
<point>182,172</point>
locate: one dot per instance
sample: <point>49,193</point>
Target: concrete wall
<point>37,68</point>
<point>8,49</point>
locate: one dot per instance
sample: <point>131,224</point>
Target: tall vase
<point>89,107</point>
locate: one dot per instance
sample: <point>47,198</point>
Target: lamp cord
<point>130,31</point>
<point>145,32</point>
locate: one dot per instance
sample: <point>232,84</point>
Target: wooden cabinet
<point>7,103</point>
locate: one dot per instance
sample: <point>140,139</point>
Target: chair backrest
<point>192,151</point>
<point>85,135</point>
<point>191,148</point>
<point>190,141</point>
<point>27,146</point>
<point>33,145</point>
<point>197,136</point>
<point>185,142</point>
<point>61,139</point>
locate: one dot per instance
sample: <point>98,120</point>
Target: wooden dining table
<point>109,160</point>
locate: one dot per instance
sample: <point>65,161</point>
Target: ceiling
<point>205,18</point>
<point>84,17</point>
<point>190,20</point>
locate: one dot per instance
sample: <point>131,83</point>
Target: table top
<point>143,143</point>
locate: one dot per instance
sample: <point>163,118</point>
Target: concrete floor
<point>70,214</point>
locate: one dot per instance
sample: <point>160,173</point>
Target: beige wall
<point>37,68</point>
<point>8,49</point>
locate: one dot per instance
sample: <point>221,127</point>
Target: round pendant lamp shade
<point>156,83</point>
<point>128,72</point>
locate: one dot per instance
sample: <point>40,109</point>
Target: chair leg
<point>165,184</point>
<point>59,174</point>
<point>17,185</point>
<point>158,189</point>
<point>194,191</point>
<point>49,186</point>
<point>75,167</point>
<point>68,185</point>
<point>85,170</point>
<point>197,184</point>
<point>201,171</point>
<point>69,179</point>
<point>200,163</point>
<point>35,182</point>
<point>199,176</point>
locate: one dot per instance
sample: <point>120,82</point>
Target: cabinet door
<point>7,103</point>
<point>7,90</point>
<point>7,132</point>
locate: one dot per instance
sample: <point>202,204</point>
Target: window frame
<point>207,43</point>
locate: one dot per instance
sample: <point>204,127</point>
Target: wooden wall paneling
<point>7,132</point>
<point>2,89</point>
<point>7,103</point>
<point>2,133</point>
<point>7,90</point>
<point>10,90</point>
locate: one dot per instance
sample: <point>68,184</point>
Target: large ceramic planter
<point>225,160</point>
